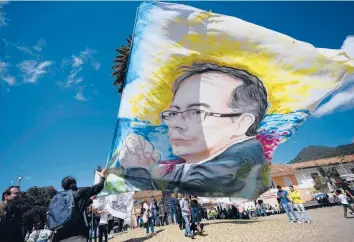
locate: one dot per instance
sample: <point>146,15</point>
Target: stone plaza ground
<point>328,224</point>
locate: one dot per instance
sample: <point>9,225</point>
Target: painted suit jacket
<point>240,171</point>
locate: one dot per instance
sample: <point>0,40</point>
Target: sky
<point>58,106</point>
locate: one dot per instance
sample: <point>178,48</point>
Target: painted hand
<point>137,152</point>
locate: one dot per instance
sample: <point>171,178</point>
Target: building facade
<point>306,172</point>
<point>283,175</point>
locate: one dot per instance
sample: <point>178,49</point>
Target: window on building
<point>314,176</point>
<point>273,184</point>
<point>287,181</point>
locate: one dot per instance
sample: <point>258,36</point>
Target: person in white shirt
<point>103,226</point>
<point>184,203</point>
<point>343,200</point>
<point>45,235</point>
<point>148,216</point>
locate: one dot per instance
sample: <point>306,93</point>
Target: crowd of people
<point>91,223</point>
<point>102,223</point>
<point>73,229</point>
<point>184,211</point>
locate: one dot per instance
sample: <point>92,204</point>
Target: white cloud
<point>3,66</point>
<point>40,44</point>
<point>4,74</point>
<point>341,101</point>
<point>10,80</point>
<point>96,65</point>
<point>79,80</point>
<point>88,55</point>
<point>32,70</point>
<point>3,19</point>
<point>80,96</point>
<point>33,51</point>
<point>343,98</point>
<point>77,63</point>
<point>25,49</point>
<point>28,177</point>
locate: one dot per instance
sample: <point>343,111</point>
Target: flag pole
<point>92,217</point>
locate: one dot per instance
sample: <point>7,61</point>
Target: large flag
<point>208,98</point>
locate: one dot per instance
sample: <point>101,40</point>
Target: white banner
<point>119,206</point>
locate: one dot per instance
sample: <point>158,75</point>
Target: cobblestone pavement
<point>328,224</point>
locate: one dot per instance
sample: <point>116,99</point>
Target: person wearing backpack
<point>67,215</point>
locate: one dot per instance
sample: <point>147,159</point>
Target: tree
<point>35,205</point>
<point>330,174</point>
<point>321,184</point>
<point>121,64</point>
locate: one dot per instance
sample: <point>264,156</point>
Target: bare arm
<point>348,192</point>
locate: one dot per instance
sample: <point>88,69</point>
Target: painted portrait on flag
<point>207,98</point>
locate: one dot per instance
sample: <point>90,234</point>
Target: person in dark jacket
<point>200,212</point>
<point>173,209</point>
<point>195,209</point>
<point>179,212</point>
<point>80,232</point>
<point>10,216</point>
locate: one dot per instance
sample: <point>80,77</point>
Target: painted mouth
<point>179,141</point>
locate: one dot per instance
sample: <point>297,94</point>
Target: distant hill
<point>314,152</point>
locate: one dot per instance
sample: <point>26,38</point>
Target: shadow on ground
<point>233,222</point>
<point>144,238</point>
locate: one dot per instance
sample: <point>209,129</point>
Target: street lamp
<point>19,181</point>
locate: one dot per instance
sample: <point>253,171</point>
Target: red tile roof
<point>323,162</point>
<point>280,168</point>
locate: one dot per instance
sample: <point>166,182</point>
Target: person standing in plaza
<point>153,207</point>
<point>186,215</point>
<point>179,212</point>
<point>343,200</point>
<point>173,209</point>
<point>195,209</point>
<point>298,204</point>
<point>286,204</point>
<point>148,217</point>
<point>79,230</point>
<point>103,226</point>
<point>240,212</point>
<point>347,190</point>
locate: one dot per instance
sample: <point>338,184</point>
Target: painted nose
<point>179,123</point>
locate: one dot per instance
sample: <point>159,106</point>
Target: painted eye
<point>197,112</point>
<point>168,115</point>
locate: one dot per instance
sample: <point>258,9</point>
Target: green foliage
<point>35,205</point>
<point>121,64</point>
<point>321,184</point>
